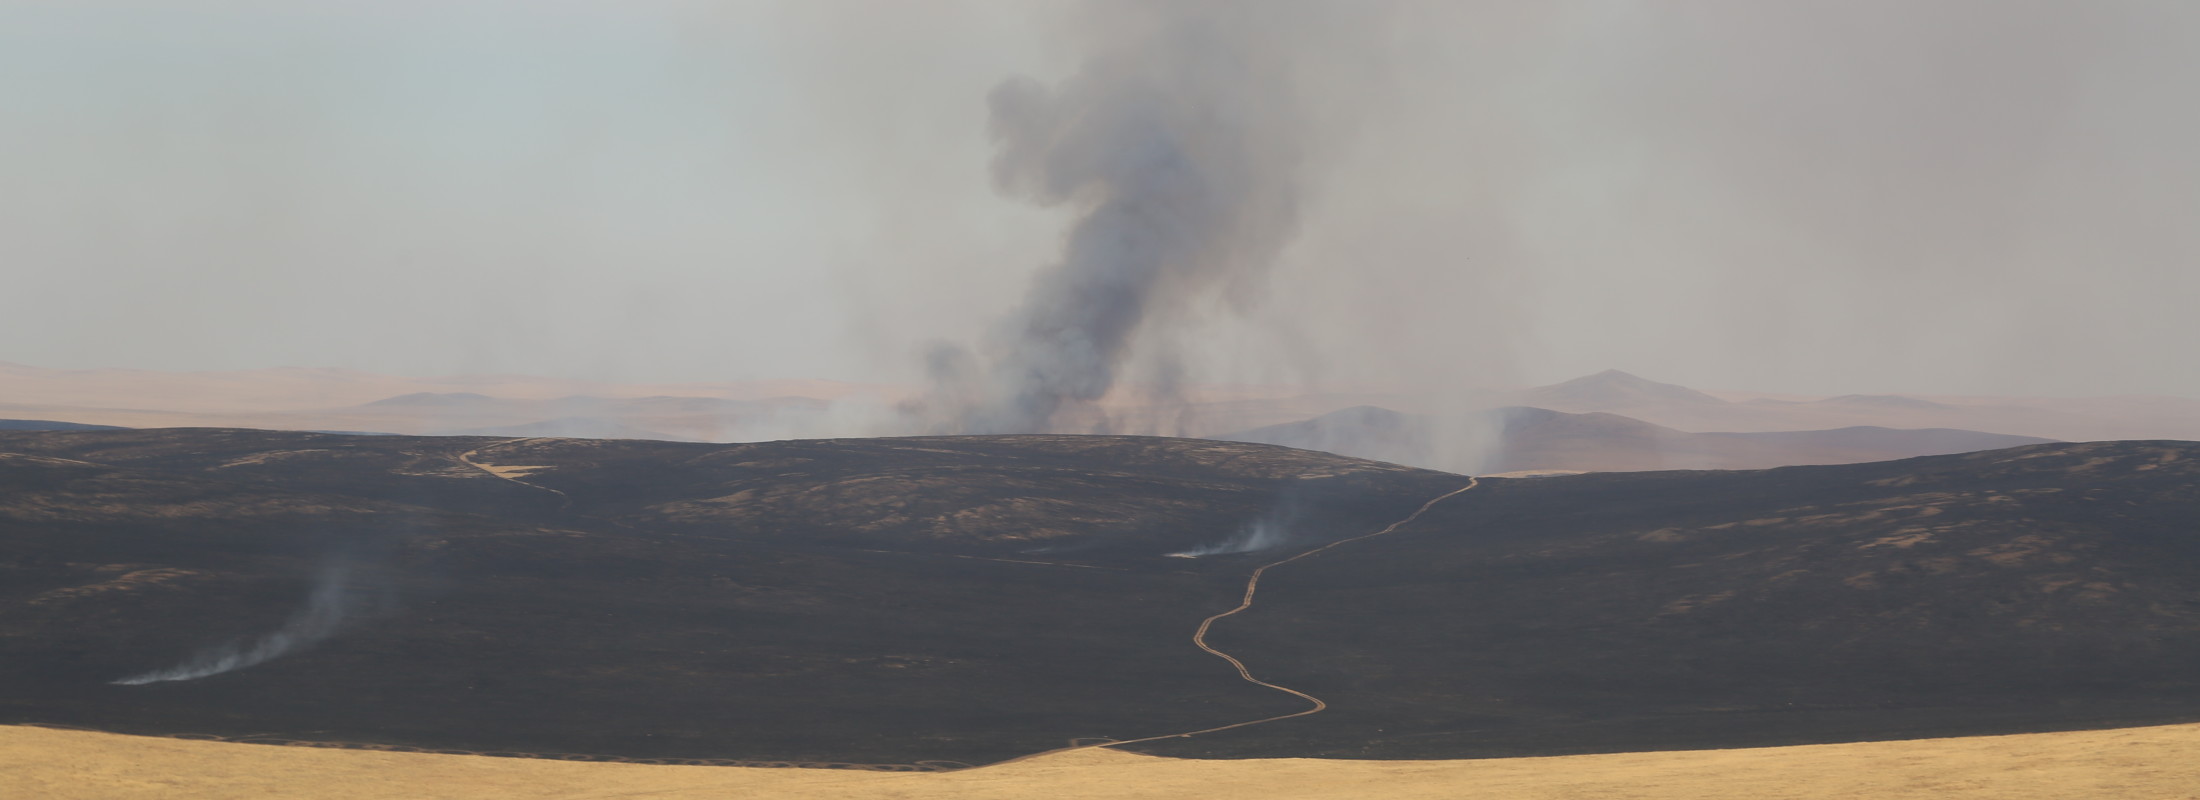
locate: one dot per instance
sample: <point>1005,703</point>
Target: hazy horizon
<point>1486,395</point>
<point>1806,197</point>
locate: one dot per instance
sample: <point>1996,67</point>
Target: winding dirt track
<point>1199,638</point>
<point>507,473</point>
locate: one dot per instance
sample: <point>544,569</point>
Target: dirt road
<point>1199,639</point>
<point>508,472</point>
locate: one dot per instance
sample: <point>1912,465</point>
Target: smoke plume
<point>325,611</point>
<point>1179,143</point>
<point>1276,528</point>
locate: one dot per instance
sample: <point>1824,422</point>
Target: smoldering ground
<point>349,585</point>
<point>1279,526</point>
<point>324,612</point>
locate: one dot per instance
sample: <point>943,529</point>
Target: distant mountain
<point>49,425</point>
<point>666,405</point>
<point>1517,439</point>
<point>1612,390</point>
<point>658,405</point>
<point>659,417</point>
<point>1682,408</point>
<point>1884,401</point>
<point>434,400</point>
<point>336,399</point>
<point>1369,432</point>
<point>573,428</point>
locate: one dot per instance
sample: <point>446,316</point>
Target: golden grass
<point>2135,763</point>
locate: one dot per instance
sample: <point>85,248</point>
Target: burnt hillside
<point>969,599</point>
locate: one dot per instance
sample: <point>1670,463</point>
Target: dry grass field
<point>2127,764</point>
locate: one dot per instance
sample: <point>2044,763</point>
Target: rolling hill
<point>1528,439</point>
<point>2062,418</point>
<point>947,601</point>
<point>50,425</point>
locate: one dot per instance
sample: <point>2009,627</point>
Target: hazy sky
<point>1842,196</point>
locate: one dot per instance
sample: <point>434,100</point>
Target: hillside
<point>1613,390</point>
<point>1953,594</point>
<point>872,600</point>
<point>972,599</point>
<point>2074,419</point>
<point>49,425</point>
<point>1517,439</point>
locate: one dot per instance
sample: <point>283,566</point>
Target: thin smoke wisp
<point>1272,530</point>
<point>325,611</point>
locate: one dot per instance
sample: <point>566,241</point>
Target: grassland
<point>2151,762</point>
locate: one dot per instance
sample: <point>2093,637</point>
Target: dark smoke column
<point>1178,141</point>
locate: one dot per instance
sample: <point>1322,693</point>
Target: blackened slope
<point>413,470</point>
<point>106,571</point>
<point>2035,588</point>
<point>880,600</point>
<point>1118,496</point>
<point>507,624</point>
<point>1869,443</point>
<point>51,425</point>
<point>1076,497</point>
<point>1541,439</point>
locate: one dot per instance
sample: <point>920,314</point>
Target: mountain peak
<point>434,399</point>
<point>1610,390</point>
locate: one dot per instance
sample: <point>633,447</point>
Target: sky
<point>1862,196</point>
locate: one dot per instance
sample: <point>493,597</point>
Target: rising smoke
<point>1276,528</point>
<point>326,610</point>
<point>1180,143</point>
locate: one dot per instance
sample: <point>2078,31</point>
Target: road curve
<point>467,458</point>
<point>1252,587</point>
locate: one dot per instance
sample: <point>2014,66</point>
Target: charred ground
<point>970,599</point>
<point>2022,589</point>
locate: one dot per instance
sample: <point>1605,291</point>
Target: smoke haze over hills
<point>1872,197</point>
